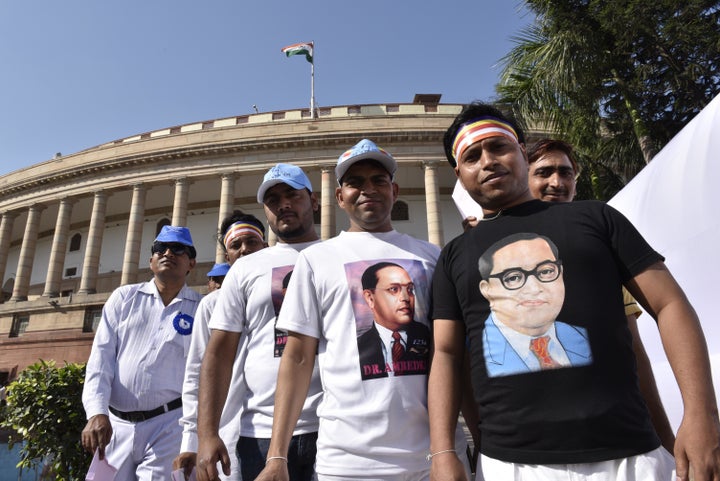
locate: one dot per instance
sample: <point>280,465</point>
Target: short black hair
<point>237,216</point>
<point>286,279</point>
<point>369,278</point>
<point>485,263</point>
<point>543,146</point>
<point>473,111</point>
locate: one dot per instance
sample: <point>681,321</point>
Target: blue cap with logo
<point>171,233</point>
<point>219,270</point>
<point>289,174</point>
<point>365,149</point>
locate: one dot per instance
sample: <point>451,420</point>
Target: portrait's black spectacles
<point>176,249</point>
<point>515,278</point>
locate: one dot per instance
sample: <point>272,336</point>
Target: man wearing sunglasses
<point>133,384</point>
<point>522,280</point>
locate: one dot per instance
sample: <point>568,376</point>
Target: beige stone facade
<point>74,228</point>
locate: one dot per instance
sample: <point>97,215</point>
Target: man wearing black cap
<point>371,427</point>
<point>133,384</point>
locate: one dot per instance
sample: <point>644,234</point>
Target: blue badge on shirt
<point>183,323</point>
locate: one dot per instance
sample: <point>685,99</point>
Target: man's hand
<point>697,448</point>
<point>97,434</point>
<point>447,467</point>
<point>275,470</point>
<point>185,461</point>
<point>469,222</point>
<point>210,451</point>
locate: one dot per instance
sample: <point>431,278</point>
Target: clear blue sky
<point>76,74</point>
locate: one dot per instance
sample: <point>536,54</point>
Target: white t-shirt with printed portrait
<point>368,426</point>
<point>248,303</point>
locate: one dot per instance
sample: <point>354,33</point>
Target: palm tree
<point>608,76</point>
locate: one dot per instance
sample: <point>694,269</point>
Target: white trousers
<point>657,465</point>
<point>145,451</point>
<point>420,475</point>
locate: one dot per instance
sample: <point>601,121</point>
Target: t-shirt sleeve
<point>445,302</point>
<point>300,309</point>
<point>229,311</point>
<point>633,251</point>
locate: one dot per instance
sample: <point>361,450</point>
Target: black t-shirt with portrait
<point>582,413</point>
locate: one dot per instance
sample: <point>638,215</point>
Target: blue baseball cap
<point>365,149</point>
<point>219,270</point>
<point>289,174</point>
<point>171,233</point>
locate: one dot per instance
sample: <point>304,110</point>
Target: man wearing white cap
<point>243,327</point>
<point>240,234</point>
<point>371,427</point>
<point>133,384</point>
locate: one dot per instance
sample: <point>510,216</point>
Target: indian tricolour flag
<point>300,49</point>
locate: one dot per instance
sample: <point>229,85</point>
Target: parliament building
<point>74,228</point>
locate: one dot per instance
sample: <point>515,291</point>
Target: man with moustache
<point>370,429</point>
<point>243,327</point>
<point>133,383</point>
<point>396,344</point>
<point>239,235</point>
<point>552,177</point>
<point>584,420</point>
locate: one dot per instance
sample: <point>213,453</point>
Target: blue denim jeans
<point>252,452</point>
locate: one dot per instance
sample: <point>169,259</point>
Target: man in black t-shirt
<point>588,418</point>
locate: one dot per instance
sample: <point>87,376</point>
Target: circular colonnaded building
<point>76,227</point>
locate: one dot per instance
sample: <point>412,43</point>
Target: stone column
<point>270,237</point>
<point>58,249</point>
<point>227,200</point>
<point>327,203</point>
<point>6,226</point>
<point>131,258</point>
<point>91,262</point>
<point>432,204</point>
<point>27,254</point>
<point>179,216</point>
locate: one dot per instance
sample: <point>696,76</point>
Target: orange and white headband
<point>479,129</point>
<point>240,228</point>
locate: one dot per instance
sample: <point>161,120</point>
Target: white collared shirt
<point>387,341</point>
<point>137,362</point>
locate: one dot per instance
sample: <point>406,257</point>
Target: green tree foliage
<point>44,408</point>
<point>616,78</point>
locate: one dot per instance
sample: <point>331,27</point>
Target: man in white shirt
<point>133,383</point>
<point>374,428</point>
<point>240,235</point>
<point>243,327</point>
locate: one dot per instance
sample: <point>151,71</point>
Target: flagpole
<point>312,84</point>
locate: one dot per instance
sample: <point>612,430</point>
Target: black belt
<point>140,416</point>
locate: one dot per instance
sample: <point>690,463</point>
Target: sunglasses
<point>176,249</point>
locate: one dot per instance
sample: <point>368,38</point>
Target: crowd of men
<point>350,358</point>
